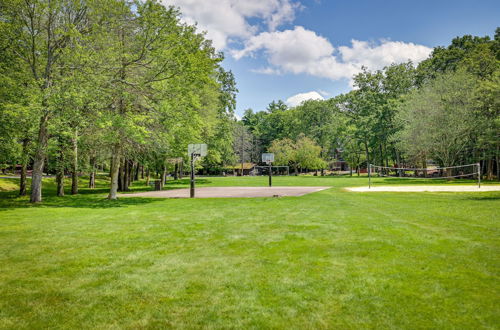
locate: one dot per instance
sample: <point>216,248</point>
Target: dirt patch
<point>424,188</point>
<point>210,192</point>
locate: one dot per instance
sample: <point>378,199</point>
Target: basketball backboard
<point>268,158</point>
<point>197,150</point>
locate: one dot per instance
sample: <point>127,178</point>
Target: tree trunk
<point>137,170</point>
<point>130,173</point>
<point>148,177</point>
<point>93,160</point>
<point>498,162</point>
<point>125,175</point>
<point>295,169</point>
<point>176,171</point>
<point>60,182</point>
<point>128,176</point>
<point>489,170</point>
<point>381,155</point>
<point>24,166</point>
<point>39,158</point>
<point>163,176</point>
<point>398,161</point>
<point>121,176</point>
<point>60,169</point>
<point>115,167</point>
<point>74,171</point>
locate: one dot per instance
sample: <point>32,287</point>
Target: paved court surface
<point>207,192</point>
<point>423,188</point>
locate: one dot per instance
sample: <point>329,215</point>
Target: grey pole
<point>191,190</point>
<point>479,175</point>
<point>369,176</point>
<point>270,175</point>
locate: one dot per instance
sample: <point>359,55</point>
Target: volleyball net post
<point>479,175</point>
<point>369,176</point>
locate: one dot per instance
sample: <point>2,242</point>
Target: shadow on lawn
<point>185,182</point>
<point>489,197</point>
<point>12,201</point>
<point>86,197</point>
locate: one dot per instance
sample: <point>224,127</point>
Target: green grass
<point>331,259</point>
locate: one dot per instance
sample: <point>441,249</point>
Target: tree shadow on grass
<point>86,198</point>
<point>10,200</point>
<point>483,197</point>
<point>186,182</point>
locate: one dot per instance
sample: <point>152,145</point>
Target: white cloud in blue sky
<point>279,48</point>
<point>297,99</point>
<point>303,51</point>
<point>229,20</point>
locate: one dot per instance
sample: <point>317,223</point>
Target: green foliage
<point>303,153</point>
<point>125,79</point>
<point>439,120</point>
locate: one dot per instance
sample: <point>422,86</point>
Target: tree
<point>284,153</point>
<point>318,120</point>
<point>243,144</point>
<point>46,34</point>
<point>439,120</point>
<point>303,153</point>
<point>308,153</point>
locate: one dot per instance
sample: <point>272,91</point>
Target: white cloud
<point>298,51</point>
<point>301,97</point>
<point>267,70</point>
<point>226,20</point>
<point>303,51</point>
<point>376,56</point>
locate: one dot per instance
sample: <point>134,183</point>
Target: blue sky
<point>294,50</point>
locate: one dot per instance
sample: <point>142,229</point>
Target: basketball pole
<point>270,175</point>
<point>191,189</point>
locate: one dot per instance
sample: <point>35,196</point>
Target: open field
<point>330,259</point>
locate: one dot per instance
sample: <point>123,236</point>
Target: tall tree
<point>46,35</point>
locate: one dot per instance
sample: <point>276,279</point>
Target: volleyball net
<point>472,171</point>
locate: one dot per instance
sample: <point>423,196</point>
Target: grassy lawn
<point>331,259</point>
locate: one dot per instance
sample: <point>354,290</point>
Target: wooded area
<point>124,87</point>
<point>115,85</point>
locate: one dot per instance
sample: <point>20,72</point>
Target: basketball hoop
<point>195,151</point>
<point>268,158</point>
